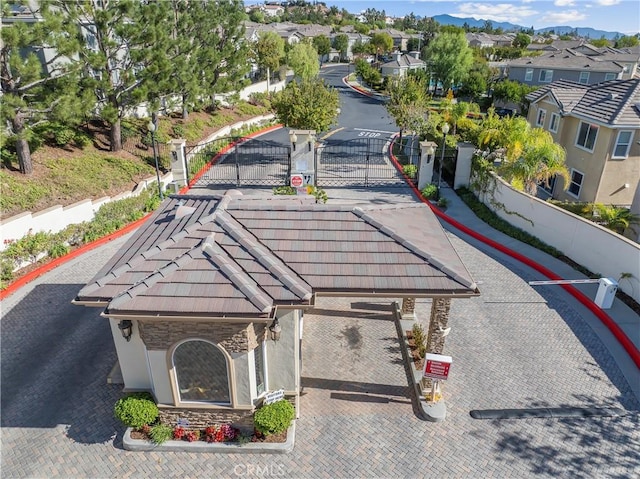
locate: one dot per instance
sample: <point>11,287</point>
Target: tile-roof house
<point>564,65</point>
<point>599,127</point>
<point>205,300</point>
<point>401,64</point>
<point>400,38</point>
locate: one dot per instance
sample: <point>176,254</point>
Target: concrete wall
<point>596,248</point>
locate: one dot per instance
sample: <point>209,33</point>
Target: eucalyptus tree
<point>123,45</point>
<point>38,78</point>
<point>449,58</point>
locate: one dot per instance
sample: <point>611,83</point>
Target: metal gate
<point>365,162</point>
<point>235,162</point>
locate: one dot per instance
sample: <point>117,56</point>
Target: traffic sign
<point>297,181</point>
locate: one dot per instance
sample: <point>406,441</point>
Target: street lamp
<point>152,128</point>
<point>445,130</point>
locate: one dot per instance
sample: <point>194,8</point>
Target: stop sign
<point>297,181</point>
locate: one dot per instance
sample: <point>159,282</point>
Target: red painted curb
<point>613,327</point>
<point>27,278</point>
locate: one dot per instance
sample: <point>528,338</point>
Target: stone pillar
<point>438,321</point>
<point>303,144</point>
<point>179,166</point>
<point>425,169</point>
<point>463,165</point>
<point>408,310</point>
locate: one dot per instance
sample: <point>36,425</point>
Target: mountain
<point>506,26</point>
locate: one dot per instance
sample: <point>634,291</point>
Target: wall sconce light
<point>430,151</point>
<point>275,330</point>
<point>126,328</point>
<point>174,152</point>
<point>294,138</point>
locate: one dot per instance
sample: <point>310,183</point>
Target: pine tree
<point>36,73</point>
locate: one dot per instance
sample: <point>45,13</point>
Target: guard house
<point>205,300</point>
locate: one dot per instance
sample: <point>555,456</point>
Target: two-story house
<point>402,64</point>
<point>567,64</point>
<point>599,127</point>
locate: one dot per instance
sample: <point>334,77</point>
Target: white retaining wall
<point>598,249</point>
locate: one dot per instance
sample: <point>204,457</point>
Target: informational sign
<point>273,396</point>
<point>436,366</point>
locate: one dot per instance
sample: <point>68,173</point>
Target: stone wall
<point>202,418</point>
<point>233,337</point>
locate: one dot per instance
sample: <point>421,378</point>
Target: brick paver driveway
<point>512,348</point>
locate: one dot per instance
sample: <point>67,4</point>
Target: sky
<point>609,15</point>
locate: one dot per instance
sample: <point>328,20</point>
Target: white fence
<point>598,249</point>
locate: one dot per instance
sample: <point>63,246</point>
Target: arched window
<point>201,372</point>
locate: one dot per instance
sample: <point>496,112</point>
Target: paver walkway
<point>512,347</point>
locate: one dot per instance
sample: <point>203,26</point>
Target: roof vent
<point>613,96</point>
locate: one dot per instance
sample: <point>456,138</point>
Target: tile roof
<point>242,256</point>
<point>405,61</point>
<point>614,102</point>
<point>568,60</point>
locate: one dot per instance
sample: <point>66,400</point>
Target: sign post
<point>436,368</point>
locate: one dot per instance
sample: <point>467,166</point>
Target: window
<point>542,114</point>
<point>584,78</point>
<point>528,75</point>
<point>549,184</point>
<point>587,136</point>
<point>201,372</point>
<point>623,143</point>
<point>610,76</point>
<point>546,76</point>
<point>576,183</point>
<point>554,122</point>
<point>259,366</point>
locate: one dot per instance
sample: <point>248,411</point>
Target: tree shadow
<point>54,366</point>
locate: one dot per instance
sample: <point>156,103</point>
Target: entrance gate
<point>363,162</point>
<point>239,162</point>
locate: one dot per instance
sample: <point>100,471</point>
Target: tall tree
<point>322,44</point>
<point>450,58</point>
<point>36,71</point>
<point>408,101</point>
<point>269,51</point>
<point>341,43</point>
<point>381,43</point>
<point>122,42</point>
<point>308,105</point>
<point>303,60</point>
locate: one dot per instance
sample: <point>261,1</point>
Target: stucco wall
<point>596,248</point>
<point>282,355</point>
<point>132,357</point>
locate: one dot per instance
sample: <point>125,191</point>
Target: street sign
<point>297,181</point>
<point>436,366</point>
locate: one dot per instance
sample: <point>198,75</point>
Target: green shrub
<point>430,191</point>
<point>58,249</point>
<point>161,433</point>
<point>410,170</point>
<point>284,190</point>
<point>136,410</point>
<point>274,418</point>
<point>443,202</point>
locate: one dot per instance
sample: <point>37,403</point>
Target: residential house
<point>599,127</point>
<point>400,38</point>
<point>487,40</point>
<point>401,64</point>
<point>205,301</point>
<point>565,65</point>
<point>353,38</point>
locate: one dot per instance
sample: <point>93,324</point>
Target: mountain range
<point>506,26</point>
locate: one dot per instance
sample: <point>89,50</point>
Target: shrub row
<point>108,219</point>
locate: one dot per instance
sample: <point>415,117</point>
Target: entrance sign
<point>436,366</point>
<point>273,396</point>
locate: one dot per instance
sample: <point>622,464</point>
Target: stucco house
<point>401,64</point>
<point>599,127</point>
<point>206,299</point>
